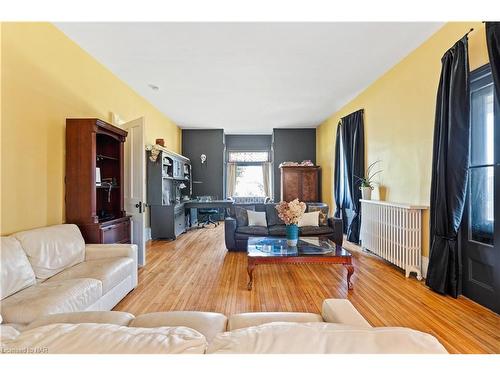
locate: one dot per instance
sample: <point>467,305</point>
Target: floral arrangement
<point>291,212</point>
<point>155,151</point>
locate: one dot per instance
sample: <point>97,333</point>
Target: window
<point>481,167</point>
<point>248,174</point>
<point>249,181</point>
<point>248,156</point>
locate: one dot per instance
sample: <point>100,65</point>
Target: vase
<point>366,193</point>
<point>292,234</point>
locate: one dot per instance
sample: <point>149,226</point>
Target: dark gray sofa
<point>236,236</point>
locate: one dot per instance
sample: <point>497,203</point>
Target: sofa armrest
<point>104,251</point>
<point>230,226</point>
<point>337,225</point>
<point>342,311</point>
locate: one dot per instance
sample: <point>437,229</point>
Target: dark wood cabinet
<point>301,183</point>
<point>95,149</point>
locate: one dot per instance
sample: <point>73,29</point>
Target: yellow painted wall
<point>46,78</point>
<point>399,120</point>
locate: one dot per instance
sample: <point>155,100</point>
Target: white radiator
<point>393,231</point>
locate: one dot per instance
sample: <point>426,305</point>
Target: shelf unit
<point>169,184</point>
<point>98,210</point>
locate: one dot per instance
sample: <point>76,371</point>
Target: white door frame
<point>135,184</point>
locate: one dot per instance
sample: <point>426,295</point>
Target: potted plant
<point>366,183</point>
<point>290,213</point>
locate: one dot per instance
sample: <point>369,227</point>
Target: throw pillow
<point>272,215</point>
<point>323,214</point>
<point>256,219</point>
<point>241,215</point>
<point>309,219</point>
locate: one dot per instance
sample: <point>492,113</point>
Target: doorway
<point>480,234</point>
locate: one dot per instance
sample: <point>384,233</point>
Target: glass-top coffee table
<point>272,250</point>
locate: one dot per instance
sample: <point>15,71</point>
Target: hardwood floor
<point>196,272</point>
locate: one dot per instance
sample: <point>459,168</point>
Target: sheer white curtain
<point>266,174</point>
<point>231,179</point>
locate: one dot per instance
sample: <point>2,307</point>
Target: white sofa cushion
<point>323,338</point>
<point>16,270</point>
<point>92,338</point>
<point>209,324</point>
<point>7,332</point>
<point>111,271</point>
<point>50,297</point>
<point>119,318</point>
<point>52,249</point>
<point>245,320</point>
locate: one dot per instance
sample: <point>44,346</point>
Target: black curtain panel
<point>353,141</point>
<point>449,170</point>
<point>336,176</point>
<point>493,42</point>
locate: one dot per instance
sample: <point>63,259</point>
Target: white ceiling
<point>249,78</point>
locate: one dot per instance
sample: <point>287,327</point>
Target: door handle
<point>139,206</point>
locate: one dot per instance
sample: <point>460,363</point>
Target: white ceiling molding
<point>249,78</point>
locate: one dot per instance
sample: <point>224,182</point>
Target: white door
<point>135,182</point>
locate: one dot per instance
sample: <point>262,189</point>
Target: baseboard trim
<point>425,265</point>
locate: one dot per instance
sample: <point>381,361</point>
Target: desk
<point>220,203</point>
<point>194,204</point>
<point>169,221</point>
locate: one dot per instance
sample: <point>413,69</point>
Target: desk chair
<point>207,212</point>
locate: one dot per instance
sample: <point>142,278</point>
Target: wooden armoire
<point>300,182</point>
<point>94,180</point>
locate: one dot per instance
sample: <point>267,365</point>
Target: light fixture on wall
<point>203,158</point>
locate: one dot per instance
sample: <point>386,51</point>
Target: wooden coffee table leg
<point>250,267</point>
<point>350,271</point>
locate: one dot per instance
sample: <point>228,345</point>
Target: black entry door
<point>480,232</point>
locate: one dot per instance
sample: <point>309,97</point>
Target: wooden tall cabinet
<point>94,180</point>
<point>300,182</point>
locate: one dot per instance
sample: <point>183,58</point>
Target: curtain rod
<point>468,32</point>
<point>362,110</point>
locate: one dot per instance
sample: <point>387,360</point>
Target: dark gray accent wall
<point>292,145</point>
<point>248,142</point>
<point>211,143</point>
<point>286,144</point>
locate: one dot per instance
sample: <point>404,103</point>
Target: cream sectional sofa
<point>51,270</point>
<point>339,329</point>
<point>55,291</point>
